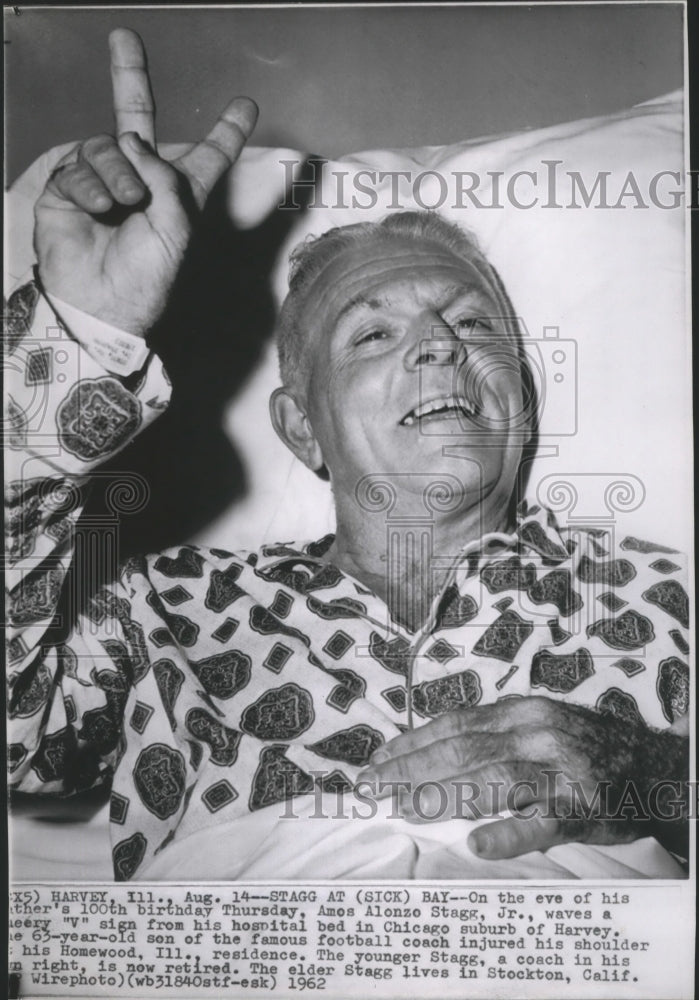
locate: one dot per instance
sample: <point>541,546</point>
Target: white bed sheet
<point>47,845</point>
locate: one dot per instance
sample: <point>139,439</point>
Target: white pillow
<point>603,289</point>
<point>602,292</point>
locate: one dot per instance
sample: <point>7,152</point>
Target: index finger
<point>458,757</point>
<point>134,110</point>
<point>495,716</point>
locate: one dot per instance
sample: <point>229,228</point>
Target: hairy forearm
<point>662,767</point>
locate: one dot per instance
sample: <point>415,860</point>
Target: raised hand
<point>567,773</point>
<point>114,219</point>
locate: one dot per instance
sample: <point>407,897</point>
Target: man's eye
<point>371,335</point>
<point>469,323</point>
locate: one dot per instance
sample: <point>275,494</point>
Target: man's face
<point>409,354</point>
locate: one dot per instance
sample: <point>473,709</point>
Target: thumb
<point>508,838</point>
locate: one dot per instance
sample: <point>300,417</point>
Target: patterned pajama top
<point>205,684</point>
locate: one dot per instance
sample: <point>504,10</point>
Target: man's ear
<point>293,427</point>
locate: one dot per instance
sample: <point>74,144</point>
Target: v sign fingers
<point>115,218</point>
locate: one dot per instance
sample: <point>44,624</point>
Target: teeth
<point>441,403</point>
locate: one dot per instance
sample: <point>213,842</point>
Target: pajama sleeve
<point>72,649</point>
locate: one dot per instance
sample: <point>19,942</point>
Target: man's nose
<point>434,343</point>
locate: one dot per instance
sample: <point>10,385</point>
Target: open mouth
<point>440,408</point>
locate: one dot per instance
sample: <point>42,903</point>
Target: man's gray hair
<point>313,255</point>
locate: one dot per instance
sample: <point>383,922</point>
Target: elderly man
<point>207,684</point>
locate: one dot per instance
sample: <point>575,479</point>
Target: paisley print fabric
<point>206,683</point>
